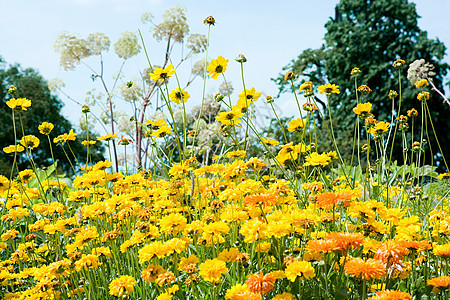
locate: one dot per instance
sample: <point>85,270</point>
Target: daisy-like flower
<point>363,109</point>
<point>379,129</point>
<point>260,199</point>
<point>12,149</point>
<point>423,96</point>
<point>369,269</point>
<point>107,137</point>
<point>45,128</point>
<point>441,283</point>
<point>179,96</point>
<point>124,285</point>
<point>390,295</point>
<point>231,117</point>
<point>249,95</point>
<point>160,74</point>
<point>270,141</point>
<point>29,141</point>
<point>398,63</point>
<point>161,132</point>
<point>306,86</point>
<point>19,103</point>
<point>217,67</point>
<point>296,125</point>
<point>328,89</point>
<point>440,176</point>
<point>390,251</point>
<point>412,113</point>
<point>421,83</point>
<point>346,240</point>
<point>301,269</point>
<point>315,159</point>
<point>212,269</point>
<point>260,283</point>
<point>442,250</point>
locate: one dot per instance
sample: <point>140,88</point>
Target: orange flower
<point>346,240</point>
<point>370,269</point>
<point>391,251</point>
<point>441,283</point>
<point>323,246</point>
<point>416,245</point>
<point>260,199</point>
<point>329,200</point>
<point>259,283</point>
<point>390,295</point>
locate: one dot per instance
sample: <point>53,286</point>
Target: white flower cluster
<point>420,69</point>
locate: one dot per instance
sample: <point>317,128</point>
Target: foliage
<point>46,107</point>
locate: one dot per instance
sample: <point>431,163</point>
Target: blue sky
<point>268,33</point>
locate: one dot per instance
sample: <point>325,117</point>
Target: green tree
<point>370,35</point>
<point>45,108</point>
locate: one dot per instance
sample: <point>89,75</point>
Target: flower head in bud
<point>210,21</point>
<point>241,58</point>
<point>392,94</point>
<point>399,64</point>
<point>289,75</point>
<point>364,89</point>
<point>12,90</point>
<point>218,97</point>
<point>412,113</point>
<point>308,106</point>
<point>423,96</point>
<point>355,72</point>
<point>269,99</point>
<point>85,109</point>
<point>416,146</point>
<point>129,84</point>
<point>124,141</point>
<point>421,83</point>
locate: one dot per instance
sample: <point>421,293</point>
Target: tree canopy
<point>45,108</point>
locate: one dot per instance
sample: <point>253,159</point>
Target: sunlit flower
<point>231,117</point>
<point>29,141</point>
<point>363,109</point>
<point>390,295</point>
<point>179,96</point>
<point>423,96</point>
<point>369,269</point>
<point>328,89</point>
<point>19,103</point>
<point>107,137</point>
<point>296,125</point>
<point>441,283</point>
<point>421,83</point>
<point>160,74</point>
<point>315,159</point>
<point>12,149</point>
<point>217,67</point>
<point>364,89</point>
<point>212,269</point>
<point>124,285</point>
<point>260,283</point>
<point>45,128</point>
<point>301,269</point>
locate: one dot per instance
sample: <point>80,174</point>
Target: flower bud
<point>269,99</point>
<point>399,64</point>
<point>289,75</point>
<point>12,90</point>
<point>210,21</point>
<point>241,58</point>
<point>85,109</point>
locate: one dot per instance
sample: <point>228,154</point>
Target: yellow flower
<point>380,128</point>
<point>124,285</point>
<point>12,149</point>
<point>296,125</point>
<point>19,103</point>
<point>363,109</point>
<point>161,132</point>
<point>88,142</point>
<point>26,175</point>
<point>29,141</point>
<point>315,159</point>
<point>328,89</point>
<point>306,86</point>
<point>107,137</point>
<point>421,83</point>
<point>249,95</point>
<point>270,141</point>
<point>230,117</point>
<point>302,269</point>
<point>217,67</point>
<point>46,128</point>
<point>161,74</point>
<point>212,269</point>
<point>423,96</point>
<point>444,176</point>
<point>179,96</point>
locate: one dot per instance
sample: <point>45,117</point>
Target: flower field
<point>293,222</point>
